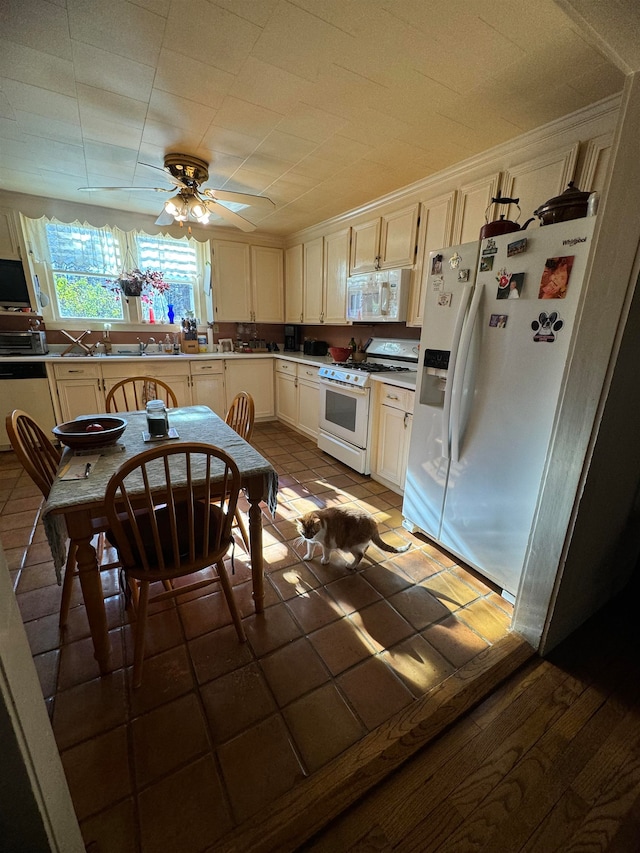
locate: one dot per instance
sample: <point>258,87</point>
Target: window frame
<point>127,243</point>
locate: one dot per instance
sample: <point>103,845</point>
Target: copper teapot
<point>502,225</point>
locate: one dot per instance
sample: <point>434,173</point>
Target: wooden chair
<point>131,395</point>
<point>170,512</point>
<point>240,417</point>
<point>41,459</point>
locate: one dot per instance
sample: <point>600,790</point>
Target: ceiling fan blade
<point>126,189</point>
<point>240,198</point>
<point>164,219</point>
<point>239,221</point>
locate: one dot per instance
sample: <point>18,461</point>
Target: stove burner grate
<point>371,367</point>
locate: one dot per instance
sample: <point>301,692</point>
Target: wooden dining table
<point>72,504</point>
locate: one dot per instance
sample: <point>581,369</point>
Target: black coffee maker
<point>292,338</point>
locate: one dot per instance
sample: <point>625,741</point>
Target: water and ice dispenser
<point>434,376</point>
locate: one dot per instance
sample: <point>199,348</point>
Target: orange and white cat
<point>349,530</point>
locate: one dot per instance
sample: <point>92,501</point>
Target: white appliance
<point>345,391</point>
<point>494,354</point>
<point>379,297</point>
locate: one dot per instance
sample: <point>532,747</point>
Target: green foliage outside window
<point>87,297</point>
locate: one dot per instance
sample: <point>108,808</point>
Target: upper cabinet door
<point>293,284</point>
<point>365,246</point>
<point>336,271</point>
<point>398,238</point>
<point>9,246</point>
<point>436,225</point>
<point>267,284</point>
<point>471,209</point>
<point>231,281</point>
<point>535,181</point>
<point>313,284</point>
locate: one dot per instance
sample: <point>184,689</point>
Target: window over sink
<point>77,265</point>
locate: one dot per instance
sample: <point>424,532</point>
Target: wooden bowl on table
<point>105,431</point>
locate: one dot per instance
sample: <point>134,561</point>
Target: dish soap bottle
<point>167,346</point>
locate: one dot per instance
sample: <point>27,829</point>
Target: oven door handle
<point>347,389</point>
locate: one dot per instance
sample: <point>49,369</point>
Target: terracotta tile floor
<point>219,730</point>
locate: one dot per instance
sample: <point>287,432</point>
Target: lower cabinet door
<point>209,391</point>
<point>308,407</point>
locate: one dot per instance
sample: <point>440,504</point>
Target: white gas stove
<point>384,355</point>
<point>345,422</point>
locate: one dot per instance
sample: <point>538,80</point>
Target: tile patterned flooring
<point>220,730</point>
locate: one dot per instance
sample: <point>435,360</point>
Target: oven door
<point>344,412</point>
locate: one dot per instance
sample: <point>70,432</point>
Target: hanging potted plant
<point>138,283</point>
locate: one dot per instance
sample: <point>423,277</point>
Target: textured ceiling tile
<point>310,43</point>
<point>598,82</point>
<point>210,32</point>
<point>41,102</point>
<point>165,108</point>
<point>117,27</point>
<point>37,68</point>
<point>170,137</point>
<point>256,12</point>
<point>245,180</point>
<point>309,122</point>
<point>107,106</point>
<point>340,149</point>
<point>37,24</point>
<point>286,146</point>
<point>103,70</point>
<point>313,168</point>
<point>229,141</point>
<point>192,78</point>
<point>111,132</point>
<point>49,128</point>
<point>268,86</point>
<point>262,164</point>
<point>246,118</point>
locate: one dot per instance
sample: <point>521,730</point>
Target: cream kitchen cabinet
<point>474,207</point>
<point>287,392</point>
<point>174,372</point>
<point>308,400</point>
<point>297,396</point>
<point>207,385</point>
<point>386,242</point>
<point>393,421</point>
<point>248,283</point>
<point>436,227</point>
<point>254,375</point>
<point>294,284</point>
<point>325,265</point>
<point>9,245</point>
<point>80,389</point>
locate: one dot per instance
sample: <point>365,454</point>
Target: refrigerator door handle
<point>453,358</point>
<point>460,369</point>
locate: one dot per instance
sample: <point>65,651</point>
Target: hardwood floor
<point>549,762</point>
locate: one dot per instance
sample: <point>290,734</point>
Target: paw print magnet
<point>546,326</point>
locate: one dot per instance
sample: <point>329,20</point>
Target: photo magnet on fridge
<point>436,265</point>
<point>513,290</point>
<point>555,278</point>
<point>463,275</point>
<point>490,248</point>
<point>498,321</point>
<point>486,264</point>
<point>517,248</point>
<point>444,300</point>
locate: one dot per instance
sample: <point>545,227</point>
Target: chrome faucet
<point>142,347</point>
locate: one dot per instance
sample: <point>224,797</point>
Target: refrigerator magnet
<point>503,278</point>
<point>546,326</point>
<point>436,265</point>
<point>513,290</point>
<point>454,260</point>
<point>498,321</point>
<point>490,248</point>
<point>517,248</point>
<point>444,300</point>
<point>463,275</point>
<point>555,278</point>
<point>486,264</point>
<point>437,284</point>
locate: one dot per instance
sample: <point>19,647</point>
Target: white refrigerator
<point>499,319</point>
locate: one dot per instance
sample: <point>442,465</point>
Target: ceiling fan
<point>191,203</point>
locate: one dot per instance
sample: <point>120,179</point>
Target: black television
<point>14,292</point>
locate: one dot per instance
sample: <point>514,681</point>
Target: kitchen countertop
<point>400,380</point>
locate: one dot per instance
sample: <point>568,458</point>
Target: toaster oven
<point>23,343</point>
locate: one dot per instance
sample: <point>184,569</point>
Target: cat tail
<point>386,547</point>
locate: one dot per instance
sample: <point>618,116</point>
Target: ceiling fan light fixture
<point>198,210</point>
<point>174,205</point>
